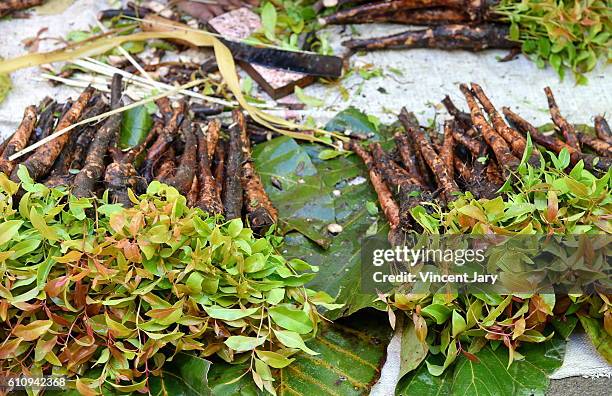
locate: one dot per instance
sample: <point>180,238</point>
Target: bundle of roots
<point>8,7</point>
<point>479,151</point>
<point>210,164</point>
<point>452,24</point>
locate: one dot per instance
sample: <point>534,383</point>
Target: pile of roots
<point>208,163</point>
<point>478,153</point>
<point>454,24</point>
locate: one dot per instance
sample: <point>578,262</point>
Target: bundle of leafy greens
<point>107,295</point>
<point>568,35</point>
<point>451,343</point>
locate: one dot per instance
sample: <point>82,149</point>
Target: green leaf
<point>243,343</point>
<point>291,318</point>
<point>329,154</point>
<point>268,21</point>
<point>229,313</point>
<point>274,359</point>
<point>413,351</point>
<point>135,127</point>
<point>490,375</point>
<point>348,363</point>
<point>38,221</point>
<point>514,32</point>
<point>292,339</point>
<point>459,325</point>
<point>9,229</point>
<point>438,312</point>
<point>598,335</point>
<point>296,188</point>
<point>185,375</point>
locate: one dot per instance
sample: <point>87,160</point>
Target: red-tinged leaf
<point>83,389</point>
<point>33,330</point>
<point>161,313</point>
<point>470,356</point>
<point>132,252</point>
<point>420,326</point>
<point>553,207</point>
<point>70,257</point>
<point>136,223</point>
<point>27,307</point>
<point>43,347</point>
<point>54,287</point>
<point>9,348</point>
<point>4,305</point>
<point>117,221</point>
<point>80,294</point>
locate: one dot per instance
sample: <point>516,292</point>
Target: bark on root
<point>185,171</point>
<point>194,192</point>
<point>212,137</point>
<point>232,186</point>
<point>567,129</point>
<point>19,140</point>
<point>39,163</point>
<point>554,144</point>
<point>427,17</point>
<point>219,168</point>
<point>497,143</point>
<point>261,214</point>
<point>93,170</point>
<point>443,179</point>
<point>474,146</point>
<point>80,139</point>
<point>470,10</point>
<point>447,151</point>
<point>603,129</point>
<point>164,139</point>
<point>208,196</point>
<point>406,189</point>
<point>601,147</point>
<point>385,196</point>
<point>448,37</point>
<point>411,125</point>
<point>120,177</point>
<point>516,141</point>
<point>463,119</point>
<point>9,6</point>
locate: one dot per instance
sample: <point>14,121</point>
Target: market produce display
<point>166,232</point>
<point>475,155</point>
<point>568,36</point>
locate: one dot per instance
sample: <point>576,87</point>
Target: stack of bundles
<point>478,153</point>
<point>208,164</point>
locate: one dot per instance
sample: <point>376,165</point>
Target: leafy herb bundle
<point>291,24</point>
<point>565,34</point>
<point>540,200</point>
<point>107,295</point>
<point>543,200</point>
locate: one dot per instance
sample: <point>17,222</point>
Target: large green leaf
<point>186,375</point>
<point>598,335</point>
<point>135,126</point>
<point>351,353</point>
<point>295,187</point>
<point>307,204</point>
<point>490,374</point>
